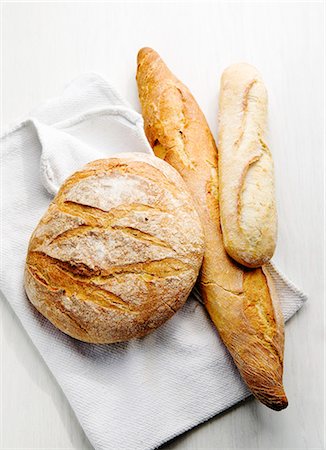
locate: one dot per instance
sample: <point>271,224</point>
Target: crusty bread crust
<point>246,173</point>
<point>117,252</point>
<point>238,300</point>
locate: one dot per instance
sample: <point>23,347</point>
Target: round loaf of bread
<point>118,250</point>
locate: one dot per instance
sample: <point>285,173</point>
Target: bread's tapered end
<point>274,399</point>
<point>143,52</point>
<point>144,75</point>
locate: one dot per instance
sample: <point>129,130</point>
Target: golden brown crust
<point>117,252</point>
<point>246,174</point>
<point>237,300</point>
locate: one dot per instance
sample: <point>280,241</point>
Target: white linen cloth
<point>128,396</point>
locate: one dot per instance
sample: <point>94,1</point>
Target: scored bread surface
<point>246,173</point>
<point>117,252</point>
<point>242,303</point>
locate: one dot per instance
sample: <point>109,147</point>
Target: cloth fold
<point>128,396</point>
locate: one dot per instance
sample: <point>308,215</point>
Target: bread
<point>246,174</point>
<point>117,252</point>
<point>241,303</point>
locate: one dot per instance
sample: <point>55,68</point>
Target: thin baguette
<point>246,173</point>
<point>241,303</point>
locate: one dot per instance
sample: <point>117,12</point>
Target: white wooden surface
<point>47,44</point>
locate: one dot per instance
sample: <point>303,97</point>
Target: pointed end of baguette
<point>144,52</point>
<point>275,399</point>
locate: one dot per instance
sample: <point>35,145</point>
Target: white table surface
<point>47,44</point>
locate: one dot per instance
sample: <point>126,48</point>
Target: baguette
<point>241,303</point>
<point>247,199</point>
